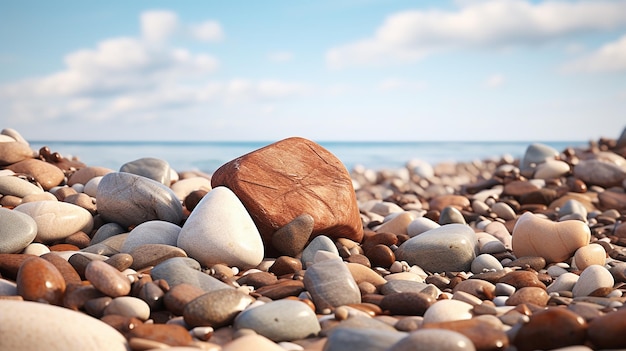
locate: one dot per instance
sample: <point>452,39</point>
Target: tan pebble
<point>107,279</point>
<point>252,342</point>
<point>67,271</point>
<point>57,220</point>
<point>179,296</point>
<point>589,255</point>
<point>128,306</point>
<point>554,241</point>
<point>83,175</point>
<point>398,224</point>
<point>361,273</point>
<point>168,334</point>
<point>39,197</point>
<point>529,295</point>
<point>46,174</point>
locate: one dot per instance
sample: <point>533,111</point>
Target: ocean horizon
<point>207,156</point>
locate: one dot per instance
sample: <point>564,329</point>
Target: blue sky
<point>325,70</point>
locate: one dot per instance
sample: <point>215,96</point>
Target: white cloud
<point>495,81</point>
<point>280,56</point>
<point>400,84</point>
<point>158,26</point>
<point>209,31</point>
<point>609,58</point>
<point>410,35</point>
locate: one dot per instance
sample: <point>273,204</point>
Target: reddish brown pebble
<point>535,262</point>
<point>291,239</point>
<point>191,200</point>
<point>257,279</point>
<point>123,324</point>
<point>406,303</point>
<point>607,331</point>
<point>381,256</point>
<point>282,289</point>
<point>76,295</point>
<point>149,255</point>
<point>518,188</point>
<point>285,265</point>
<point>64,247</point>
<point>170,334</point>
<point>529,295</point>
<point>107,279</point>
<point>520,279</point>
<point>179,296</point>
<point>47,175</point>
<point>78,239</point>
<point>10,264</point>
<point>82,200</point>
<point>120,261</point>
<point>482,289</point>
<point>612,200</point>
<point>79,262</point>
<point>65,268</point>
<point>293,176</point>
<point>549,329</point>
<point>39,280</point>
<point>484,336</point>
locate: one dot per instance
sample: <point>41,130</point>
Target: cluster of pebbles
<point>284,249</point>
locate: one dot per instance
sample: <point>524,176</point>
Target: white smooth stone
<point>54,328</point>
<point>564,282</point>
<point>220,230</point>
<point>485,262</point>
<point>36,249</point>
<point>592,278</point>
<point>551,169</point>
<point>128,306</point>
<point>448,310</point>
<point>91,188</point>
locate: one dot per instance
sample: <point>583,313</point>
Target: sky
<point>327,70</point>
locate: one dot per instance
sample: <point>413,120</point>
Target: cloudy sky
<point>323,69</point>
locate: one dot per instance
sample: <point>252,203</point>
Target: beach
<point>299,245</point>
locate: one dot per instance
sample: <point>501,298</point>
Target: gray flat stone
<point>130,199</point>
<point>151,232</point>
<point>281,320</point>
<point>331,285</point>
<point>347,339</point>
<point>216,308</point>
<point>451,247</point>
<point>180,270</point>
<point>17,230</point>
<point>400,286</point>
<point>149,167</point>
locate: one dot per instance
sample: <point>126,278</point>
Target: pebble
<point>220,230</point>
<point>451,215</point>
<point>331,285</point>
<point>291,239</point>
<point>535,154</point>
<point>451,247</point>
<point>179,270</point>
<point>564,282</point>
<point>168,334</point>
<point>129,199</point>
<point>485,262</point>
<point>347,339</point>
<point>151,232</point>
<point>591,279</point>
<point>85,174</point>
<point>397,224</point>
<point>448,310</point>
<point>13,152</point>
<point>283,180</point>
<point>252,342</point>
<point>184,187</point>
<point>178,296</point>
<point>148,255</point>
<point>600,172</point>
<point>485,333</point>
<point>56,220</point>
<point>77,332</point>
<point>535,335</point>
<point>607,331</point>
<point>551,169</point>
<point>16,186</point>
<point>46,174</point>
<point>554,241</point>
<point>18,230</point>
<point>128,306</point>
<point>282,320</point>
<point>528,295</point>
<point>216,308</point>
<point>40,281</point>
<point>589,255</point>
<point>151,168</point>
<point>319,243</point>
<point>434,340</point>
<point>107,279</point>
<point>420,225</point>
<point>406,303</point>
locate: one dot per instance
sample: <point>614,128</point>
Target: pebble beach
<point>285,249</point>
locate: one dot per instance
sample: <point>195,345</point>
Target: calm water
<point>208,156</point>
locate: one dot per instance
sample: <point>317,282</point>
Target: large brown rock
<point>291,177</point>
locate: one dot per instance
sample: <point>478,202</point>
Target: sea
<point>207,156</point>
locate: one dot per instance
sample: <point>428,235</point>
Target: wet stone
<point>152,254</point>
<point>535,336</point>
<point>107,279</point>
<point>407,303</point>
